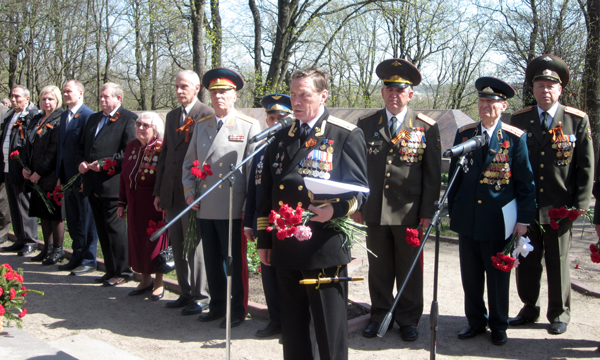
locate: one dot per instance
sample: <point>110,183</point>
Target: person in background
<point>136,202</point>
<point>4,210</point>
<point>6,102</point>
<point>277,107</point>
<point>40,158</point>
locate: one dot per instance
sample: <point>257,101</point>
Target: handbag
<point>166,262</point>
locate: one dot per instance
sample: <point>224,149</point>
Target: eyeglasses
<point>143,125</point>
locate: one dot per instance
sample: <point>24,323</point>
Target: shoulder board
<point>574,111</point>
<point>523,110</point>
<point>426,119</point>
<point>467,127</point>
<point>246,118</point>
<point>204,118</point>
<point>369,114</point>
<point>341,123</point>
<point>512,130</point>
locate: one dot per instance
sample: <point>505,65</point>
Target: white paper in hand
<point>328,187</point>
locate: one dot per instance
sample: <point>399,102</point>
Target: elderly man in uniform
<point>561,155</point>
<point>221,140</point>
<point>277,107</point>
<point>317,145</point>
<point>496,181</point>
<point>168,191</point>
<point>404,167</point>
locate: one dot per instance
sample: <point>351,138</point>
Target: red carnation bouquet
<point>291,222</point>
<point>15,155</point>
<point>201,172</point>
<point>517,245</point>
<point>558,214</point>
<point>12,295</point>
<point>153,226</point>
<point>60,191</point>
<point>595,252</point>
<point>413,236</point>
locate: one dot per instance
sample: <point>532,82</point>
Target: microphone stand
<point>229,262</point>
<point>434,313</point>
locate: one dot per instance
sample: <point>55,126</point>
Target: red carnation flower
<point>111,171</point>
<point>412,237</point>
<point>9,276</point>
<point>23,313</point>
<point>24,289</point>
<point>553,224</point>
<point>272,216</point>
<point>595,257</point>
<point>2,310</point>
<point>573,215</point>
<point>1,291</point>
<point>7,266</point>
<point>18,277</point>
<point>13,293</point>
<point>280,223</point>
<point>106,165</point>
<point>281,234</point>
<point>195,163</point>
<point>563,212</point>
<point>14,154</point>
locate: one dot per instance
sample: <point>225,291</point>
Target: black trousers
<point>269,281</point>
<point>82,229</point>
<point>328,306</point>
<point>4,212</point>
<point>112,234</point>
<point>25,227</point>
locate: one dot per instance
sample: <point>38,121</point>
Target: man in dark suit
<point>404,167</point>
<point>79,213</point>
<point>496,181</point>
<point>106,135</point>
<point>168,192</point>
<point>4,210</point>
<point>561,155</point>
<point>316,138</point>
<point>14,138</point>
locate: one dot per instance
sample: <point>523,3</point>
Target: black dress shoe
<point>499,337</point>
<point>210,316</point>
<point>27,249</point>
<point>180,302</point>
<point>81,269</point>
<point>12,248</point>
<point>557,328</point>
<point>71,265</point>
<point>373,328</point>
<point>520,320</point>
<point>103,278</point>
<point>136,292</point>
<point>235,322</point>
<point>193,309</point>
<point>470,332</point>
<point>57,255</point>
<point>157,297</point>
<point>42,255</point>
<point>272,328</point>
<point>409,333</point>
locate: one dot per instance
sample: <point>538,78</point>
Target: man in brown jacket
<point>168,191</point>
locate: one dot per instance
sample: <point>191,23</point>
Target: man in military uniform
<point>317,145</point>
<point>221,140</point>
<point>561,155</point>
<point>496,180</point>
<point>404,167</point>
<point>277,107</point>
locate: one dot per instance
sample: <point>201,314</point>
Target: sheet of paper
<point>509,211</point>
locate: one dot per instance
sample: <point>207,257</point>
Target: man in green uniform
<point>561,155</point>
<point>404,171</point>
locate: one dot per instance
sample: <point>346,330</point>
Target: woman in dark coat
<point>136,201</point>
<point>40,157</point>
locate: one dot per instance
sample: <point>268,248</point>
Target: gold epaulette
<point>369,114</point>
<point>467,127</point>
<point>512,130</point>
<point>341,123</point>
<point>246,118</point>
<point>574,111</point>
<point>426,119</point>
<point>523,110</point>
<point>204,118</point>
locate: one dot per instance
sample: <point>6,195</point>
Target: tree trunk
<point>217,34</point>
<point>258,80</point>
<point>197,12</point>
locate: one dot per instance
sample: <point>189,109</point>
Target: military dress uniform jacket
<point>283,183</point>
<point>168,172</point>
<point>228,146</point>
<point>404,174</point>
<point>487,184</point>
<point>561,179</point>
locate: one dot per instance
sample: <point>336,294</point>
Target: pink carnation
<point>303,233</point>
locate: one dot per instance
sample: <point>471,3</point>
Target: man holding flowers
<point>496,180</point>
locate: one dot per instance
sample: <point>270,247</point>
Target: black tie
<point>545,121</point>
<point>304,132</point>
<point>486,145</point>
<point>219,124</point>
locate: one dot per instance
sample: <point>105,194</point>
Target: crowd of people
<point>117,172</point>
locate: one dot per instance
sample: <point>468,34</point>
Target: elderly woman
<point>136,201</point>
<point>40,157</point>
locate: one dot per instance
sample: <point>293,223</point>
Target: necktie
<point>183,117</point>
<point>304,132</point>
<point>394,127</point>
<point>545,125</point>
<point>487,142</point>
<point>101,124</point>
<point>219,124</point>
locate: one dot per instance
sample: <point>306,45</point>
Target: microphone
<point>286,121</point>
<point>473,143</point>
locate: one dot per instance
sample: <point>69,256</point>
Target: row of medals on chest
<point>412,147</point>
<point>149,161</point>
<point>564,144</point>
<point>319,162</point>
<point>498,172</point>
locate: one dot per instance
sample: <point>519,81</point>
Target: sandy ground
<point>76,311</point>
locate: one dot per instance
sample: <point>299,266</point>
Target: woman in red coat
<point>136,202</point>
